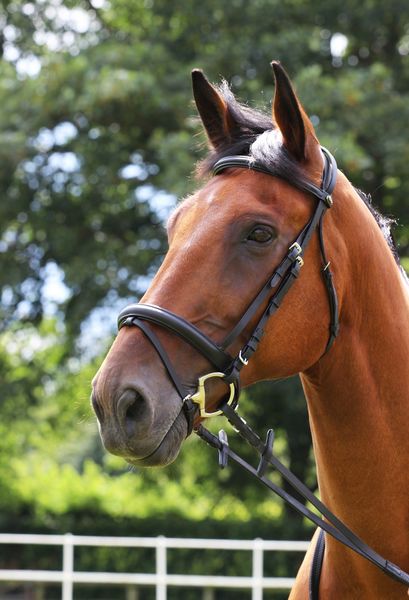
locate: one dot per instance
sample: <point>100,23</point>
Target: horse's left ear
<point>296,128</point>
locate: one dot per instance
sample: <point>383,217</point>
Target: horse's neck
<point>358,401</point>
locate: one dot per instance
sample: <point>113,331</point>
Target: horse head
<point>225,242</point>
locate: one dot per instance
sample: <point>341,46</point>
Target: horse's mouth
<point>167,450</point>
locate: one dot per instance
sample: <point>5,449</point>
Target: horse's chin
<point>168,449</point>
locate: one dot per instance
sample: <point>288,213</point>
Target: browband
<point>322,193</point>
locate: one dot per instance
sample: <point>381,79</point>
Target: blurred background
<point>98,141</point>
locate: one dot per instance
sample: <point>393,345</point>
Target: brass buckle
<point>199,397</point>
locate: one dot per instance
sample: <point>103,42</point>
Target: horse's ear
<point>296,128</point>
<point>213,110</point>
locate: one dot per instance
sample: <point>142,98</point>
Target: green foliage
<point>116,96</point>
<point>98,135</point>
<point>54,460</point>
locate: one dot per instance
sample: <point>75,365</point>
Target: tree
<point>94,134</point>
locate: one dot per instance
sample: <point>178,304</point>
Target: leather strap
<point>284,277</point>
<point>172,322</point>
<point>244,161</point>
<point>331,525</point>
<point>316,567</point>
<point>188,406</point>
<point>275,279</point>
<point>251,346</point>
<point>332,294</point>
<point>324,194</point>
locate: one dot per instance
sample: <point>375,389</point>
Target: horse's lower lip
<point>168,448</point>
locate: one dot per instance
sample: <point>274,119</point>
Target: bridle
<point>271,294</point>
<point>229,367</point>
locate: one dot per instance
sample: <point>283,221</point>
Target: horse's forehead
<point>227,196</point>
<point>234,187</point>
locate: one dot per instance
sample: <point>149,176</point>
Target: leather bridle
<point>229,367</point>
<point>271,295</point>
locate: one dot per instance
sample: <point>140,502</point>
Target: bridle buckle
<point>300,261</point>
<point>243,359</point>
<point>199,397</point>
<point>298,250</point>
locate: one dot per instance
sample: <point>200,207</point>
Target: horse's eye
<point>260,235</point>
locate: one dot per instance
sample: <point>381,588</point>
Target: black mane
<point>253,138</point>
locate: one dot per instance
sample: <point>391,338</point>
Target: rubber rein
<point>229,367</point>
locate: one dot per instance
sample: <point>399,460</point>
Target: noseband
<point>229,368</point>
<point>271,295</point>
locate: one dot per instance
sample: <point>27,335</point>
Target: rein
<point>331,525</point>
<point>229,367</point>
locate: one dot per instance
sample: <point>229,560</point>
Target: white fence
<point>161,580</point>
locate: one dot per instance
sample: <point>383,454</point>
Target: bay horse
<point>224,242</point>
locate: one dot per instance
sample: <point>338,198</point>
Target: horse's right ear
<point>214,113</point>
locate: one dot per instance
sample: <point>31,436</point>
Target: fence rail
<point>161,579</point>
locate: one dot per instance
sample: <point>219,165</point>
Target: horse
<point>342,325</point>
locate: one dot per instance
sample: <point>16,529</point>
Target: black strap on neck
<point>316,567</point>
<point>331,525</point>
<point>332,294</point>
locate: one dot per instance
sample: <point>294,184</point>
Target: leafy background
<point>98,139</point>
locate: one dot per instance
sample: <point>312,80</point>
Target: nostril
<point>97,408</point>
<point>131,406</point>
